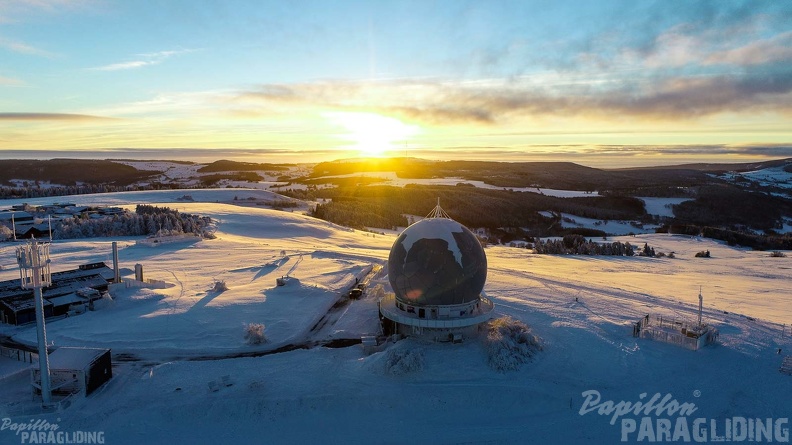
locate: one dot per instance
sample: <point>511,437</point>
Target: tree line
<point>35,190</point>
<point>733,237</point>
<point>579,245</point>
<point>384,206</point>
<point>147,220</point>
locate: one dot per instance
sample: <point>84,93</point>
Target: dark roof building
<point>18,216</point>
<point>17,304</point>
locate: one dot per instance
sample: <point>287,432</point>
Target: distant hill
<point>556,175</point>
<point>71,171</point>
<point>234,166</point>
<point>720,167</point>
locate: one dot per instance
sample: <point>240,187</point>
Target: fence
<point>148,283</point>
<point>674,331</point>
<point>19,355</point>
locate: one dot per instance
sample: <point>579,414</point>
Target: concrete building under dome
<point>437,269</point>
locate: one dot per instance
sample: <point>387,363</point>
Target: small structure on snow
<point>786,365</point>
<point>76,371</point>
<point>675,331</point>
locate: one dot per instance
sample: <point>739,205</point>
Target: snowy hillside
<point>170,342</point>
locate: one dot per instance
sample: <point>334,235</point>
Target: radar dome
<point>437,261</point>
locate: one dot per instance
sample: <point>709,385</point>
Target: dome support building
<point>437,269</point>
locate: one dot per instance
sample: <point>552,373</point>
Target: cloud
<point>10,81</point>
<point>144,59</point>
<point>447,102</point>
<point>23,48</point>
<point>49,117</point>
<point>13,11</point>
<point>125,65</point>
<point>689,150</point>
<point>765,51</point>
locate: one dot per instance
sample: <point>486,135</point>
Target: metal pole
<point>701,306</point>
<point>34,274</point>
<point>116,272</point>
<point>46,394</point>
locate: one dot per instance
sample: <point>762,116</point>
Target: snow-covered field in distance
<point>582,307</point>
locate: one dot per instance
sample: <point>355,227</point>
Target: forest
<point>146,220</point>
<point>579,245</point>
<point>71,172</point>
<point>384,206</point>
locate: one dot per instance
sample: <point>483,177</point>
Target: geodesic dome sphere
<point>437,261</point>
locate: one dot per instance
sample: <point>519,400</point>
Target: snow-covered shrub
<point>403,361</point>
<point>254,334</point>
<point>5,232</point>
<point>378,292</point>
<point>509,344</point>
<point>220,286</point>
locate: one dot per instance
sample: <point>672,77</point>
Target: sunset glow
<point>372,134</point>
<point>614,82</point>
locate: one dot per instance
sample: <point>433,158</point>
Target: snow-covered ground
<point>582,307</point>
<point>767,177</point>
<point>610,227</point>
<point>661,206</point>
<point>390,178</point>
<point>654,206</point>
<point>771,176</point>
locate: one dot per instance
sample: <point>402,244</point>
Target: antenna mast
<point>34,272</point>
<point>701,307</point>
<point>438,212</point>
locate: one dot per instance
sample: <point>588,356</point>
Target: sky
<point>600,83</point>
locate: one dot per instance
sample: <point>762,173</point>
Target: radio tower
<point>34,271</point>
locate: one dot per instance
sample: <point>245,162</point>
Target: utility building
<point>76,370</point>
<point>69,292</point>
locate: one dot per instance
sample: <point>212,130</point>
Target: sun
<point>370,133</point>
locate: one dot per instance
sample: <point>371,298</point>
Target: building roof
<point>37,229</point>
<point>20,303</point>
<point>17,214</point>
<point>65,300</point>
<point>68,358</point>
<point>87,275</point>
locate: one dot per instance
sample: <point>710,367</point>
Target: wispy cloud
<point>23,48</point>
<point>142,60</point>
<point>10,81</point>
<point>764,51</point>
<point>49,117</point>
<point>126,65</point>
<point>500,101</point>
<point>19,10</point>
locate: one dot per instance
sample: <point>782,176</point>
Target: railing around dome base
<point>389,310</point>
